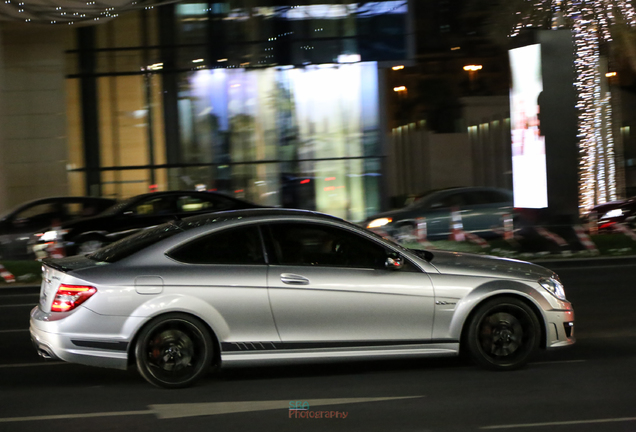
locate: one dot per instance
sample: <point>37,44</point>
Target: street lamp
<point>472,70</point>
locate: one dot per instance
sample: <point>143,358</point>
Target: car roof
<point>63,199</point>
<point>179,192</point>
<point>258,212</point>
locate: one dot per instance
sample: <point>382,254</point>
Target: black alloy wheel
<point>174,351</point>
<point>503,334</point>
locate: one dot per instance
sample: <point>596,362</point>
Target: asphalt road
<point>588,387</point>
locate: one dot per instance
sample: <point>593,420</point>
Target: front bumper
<point>81,336</point>
<point>560,327</point>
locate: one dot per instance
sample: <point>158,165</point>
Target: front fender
<point>477,296</point>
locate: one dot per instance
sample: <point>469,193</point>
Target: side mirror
<point>394,262</point>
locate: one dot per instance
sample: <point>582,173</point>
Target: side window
<point>487,197</point>
<point>155,206</point>
<point>454,200</point>
<point>39,215</point>
<point>187,203</point>
<point>233,246</point>
<point>307,244</point>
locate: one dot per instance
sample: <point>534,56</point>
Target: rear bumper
<point>52,341</point>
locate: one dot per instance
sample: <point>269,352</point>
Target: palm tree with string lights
<point>594,24</point>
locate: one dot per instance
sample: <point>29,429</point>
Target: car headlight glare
<point>377,223</point>
<point>49,236</point>
<point>554,286</point>
<point>613,214</point>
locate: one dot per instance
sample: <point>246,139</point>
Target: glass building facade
<point>277,104</point>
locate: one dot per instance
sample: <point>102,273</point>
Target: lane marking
<point>561,423</point>
<point>74,416</point>
<point>171,411</point>
<point>14,331</point>
<point>18,365</point>
<point>19,305</point>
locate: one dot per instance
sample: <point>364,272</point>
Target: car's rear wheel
<point>503,334</point>
<point>173,351</point>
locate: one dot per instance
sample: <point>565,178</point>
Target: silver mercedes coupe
<point>262,286</point>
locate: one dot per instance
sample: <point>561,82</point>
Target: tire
<point>406,232</point>
<point>89,245</point>
<point>503,334</point>
<point>174,351</point>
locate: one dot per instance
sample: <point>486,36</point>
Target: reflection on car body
<point>273,285</point>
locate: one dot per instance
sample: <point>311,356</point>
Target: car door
<point>327,283</point>
<point>485,210</point>
<point>438,214</point>
<point>227,270</point>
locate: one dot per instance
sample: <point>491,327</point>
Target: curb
<point>582,262</point>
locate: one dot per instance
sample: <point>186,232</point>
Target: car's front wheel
<point>89,245</point>
<point>173,351</point>
<point>503,334</point>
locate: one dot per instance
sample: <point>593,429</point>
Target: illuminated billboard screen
<point>529,178</point>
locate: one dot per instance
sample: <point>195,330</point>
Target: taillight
<point>68,297</point>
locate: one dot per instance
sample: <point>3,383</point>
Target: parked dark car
<point>129,216</point>
<point>19,224</point>
<point>481,209</point>
<point>612,213</point>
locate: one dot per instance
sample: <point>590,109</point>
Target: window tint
<point>319,245</point>
<point>39,215</point>
<point>186,203</point>
<point>155,206</point>
<point>487,197</point>
<point>232,246</point>
<point>454,200</point>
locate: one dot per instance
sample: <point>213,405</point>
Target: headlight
<point>553,285</point>
<point>377,223</point>
<point>613,214</point>
<point>49,236</point>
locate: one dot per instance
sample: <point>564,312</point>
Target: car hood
<point>455,263</point>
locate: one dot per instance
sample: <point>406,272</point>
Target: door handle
<point>293,279</point>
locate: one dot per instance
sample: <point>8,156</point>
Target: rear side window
<point>232,246</point>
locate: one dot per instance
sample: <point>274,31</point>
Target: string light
<point>591,23</point>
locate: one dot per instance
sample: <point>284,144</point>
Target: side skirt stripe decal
<point>276,346</point>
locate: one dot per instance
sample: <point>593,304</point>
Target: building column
<point>90,115</point>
